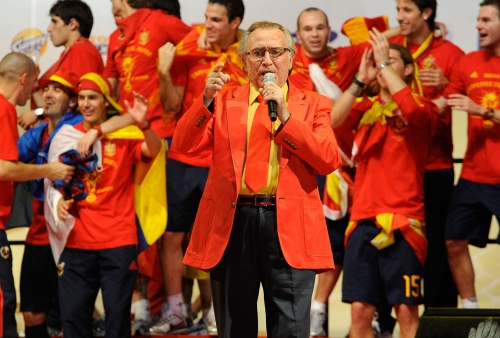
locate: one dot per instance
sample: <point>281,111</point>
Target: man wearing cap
<point>38,287</point>
<point>17,77</point>
<point>70,26</point>
<point>100,250</point>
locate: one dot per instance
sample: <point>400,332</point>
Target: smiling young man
<point>70,26</point>
<point>183,71</point>
<point>435,60</point>
<point>38,286</point>
<point>101,249</point>
<point>385,241</point>
<point>474,88</point>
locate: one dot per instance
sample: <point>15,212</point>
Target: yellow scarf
<point>423,47</point>
<point>378,113</point>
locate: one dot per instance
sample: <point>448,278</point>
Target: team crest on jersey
<point>60,268</point>
<point>397,123</point>
<point>428,62</point>
<point>144,37</point>
<point>333,62</point>
<point>5,251</point>
<point>110,149</point>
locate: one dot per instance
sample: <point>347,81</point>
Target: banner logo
<point>31,41</point>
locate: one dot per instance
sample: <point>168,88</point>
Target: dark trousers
<point>83,273</point>
<point>8,327</point>
<point>439,287</point>
<point>254,256</point>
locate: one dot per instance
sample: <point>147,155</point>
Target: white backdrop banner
<point>24,22</point>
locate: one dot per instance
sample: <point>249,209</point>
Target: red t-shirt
<point>477,75</point>
<point>106,218</point>
<point>8,152</point>
<point>445,54</point>
<point>390,176</point>
<point>339,67</point>
<point>135,59</point>
<point>191,71</point>
<point>81,57</point>
<point>37,233</point>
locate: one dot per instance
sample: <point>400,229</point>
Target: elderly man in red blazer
<point>260,219</point>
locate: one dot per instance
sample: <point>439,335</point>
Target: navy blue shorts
<point>38,286</point>
<point>185,185</point>
<point>369,274</point>
<point>472,206</point>
<point>336,232</point>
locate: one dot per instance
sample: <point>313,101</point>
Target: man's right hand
<point>60,171</point>
<point>27,119</point>
<point>166,55</point>
<point>63,208</point>
<point>86,142</point>
<point>215,81</point>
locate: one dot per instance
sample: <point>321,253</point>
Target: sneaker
<point>197,329</point>
<point>169,323</point>
<point>98,326</point>
<point>54,332</point>
<point>317,320</point>
<point>139,326</point>
<point>376,328</point>
<point>211,323</point>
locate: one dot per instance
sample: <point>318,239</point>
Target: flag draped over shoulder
<point>233,65</point>
<point>150,196</point>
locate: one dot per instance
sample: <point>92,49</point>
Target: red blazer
<point>308,147</point>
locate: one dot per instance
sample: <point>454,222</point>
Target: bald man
<point>18,74</point>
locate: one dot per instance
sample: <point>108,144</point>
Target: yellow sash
<point>423,47</point>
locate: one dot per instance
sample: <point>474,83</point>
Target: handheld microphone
<point>272,106</point>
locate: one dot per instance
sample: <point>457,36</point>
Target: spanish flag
<point>356,29</point>
<point>150,195</point>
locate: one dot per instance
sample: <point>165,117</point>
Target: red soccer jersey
<point>445,54</point>
<point>37,233</point>
<point>135,60</point>
<point>110,70</point>
<point>477,75</point>
<point>190,71</point>
<point>81,57</point>
<point>391,160</point>
<point>8,152</point>
<point>106,218</point>
<point>339,67</point>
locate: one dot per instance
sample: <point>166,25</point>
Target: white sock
<point>470,303</point>
<point>141,310</point>
<point>175,304</point>
<point>320,307</point>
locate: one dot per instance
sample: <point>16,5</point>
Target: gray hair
<point>242,47</point>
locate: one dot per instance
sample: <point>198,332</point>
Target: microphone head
<point>269,77</point>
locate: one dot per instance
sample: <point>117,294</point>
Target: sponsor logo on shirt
<point>5,252</point>
<point>144,37</point>
<point>60,268</point>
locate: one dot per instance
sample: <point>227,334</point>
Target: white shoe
<point>211,323</point>
<point>317,320</point>
<point>169,323</point>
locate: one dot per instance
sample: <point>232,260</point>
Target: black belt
<point>258,200</point>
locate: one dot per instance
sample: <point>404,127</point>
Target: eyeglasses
<point>260,53</point>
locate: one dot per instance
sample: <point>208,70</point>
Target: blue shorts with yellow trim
<point>369,274</point>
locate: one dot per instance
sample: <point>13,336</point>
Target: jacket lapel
<point>237,120</point>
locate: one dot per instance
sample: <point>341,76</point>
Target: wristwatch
<point>488,113</point>
<point>39,113</point>
<point>382,65</point>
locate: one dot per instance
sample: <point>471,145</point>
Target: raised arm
<point>171,95</point>
<point>152,144</point>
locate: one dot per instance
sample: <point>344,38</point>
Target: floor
<point>485,261</point>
